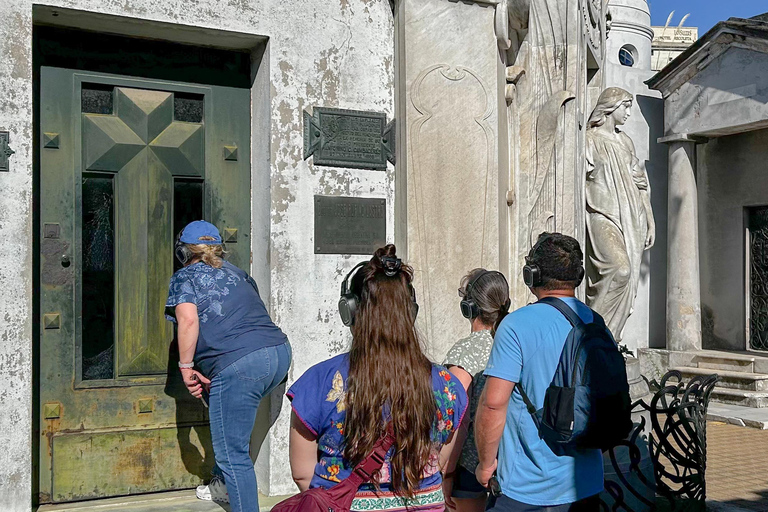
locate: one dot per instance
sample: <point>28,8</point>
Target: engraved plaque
<point>5,151</point>
<point>349,225</point>
<point>349,138</point>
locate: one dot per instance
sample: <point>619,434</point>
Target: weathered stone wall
<point>728,95</point>
<point>731,176</point>
<point>16,265</point>
<point>320,53</point>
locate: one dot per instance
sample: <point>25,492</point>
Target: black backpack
<point>587,404</point>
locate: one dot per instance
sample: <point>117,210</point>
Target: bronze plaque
<point>349,138</point>
<point>349,225</point>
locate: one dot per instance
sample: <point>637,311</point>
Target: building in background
<point>669,42</point>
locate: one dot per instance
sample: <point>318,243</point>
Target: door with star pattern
<point>125,163</point>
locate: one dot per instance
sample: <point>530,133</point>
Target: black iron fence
<point>677,445</point>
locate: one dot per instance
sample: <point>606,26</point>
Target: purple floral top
<point>319,399</point>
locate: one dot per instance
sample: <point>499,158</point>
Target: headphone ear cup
<point>182,253</point>
<point>415,305</point>
<point>469,309</point>
<point>466,309</point>
<point>347,309</point>
<point>532,275</point>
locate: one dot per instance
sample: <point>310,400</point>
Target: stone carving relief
<point>546,96</point>
<point>459,98</point>
<point>620,223</point>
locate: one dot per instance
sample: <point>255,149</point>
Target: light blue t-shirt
<point>526,350</point>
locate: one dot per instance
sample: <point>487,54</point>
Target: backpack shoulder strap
<point>563,308</point>
<point>363,472</point>
<point>528,404</point>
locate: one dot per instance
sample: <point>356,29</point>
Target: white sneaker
<point>214,491</point>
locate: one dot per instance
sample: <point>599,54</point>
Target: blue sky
<point>704,13</point>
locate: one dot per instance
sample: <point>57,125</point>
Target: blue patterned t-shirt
<point>318,398</point>
<point>233,319</point>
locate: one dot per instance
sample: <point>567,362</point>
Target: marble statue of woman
<point>620,224</point>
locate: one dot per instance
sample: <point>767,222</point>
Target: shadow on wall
<point>709,339</point>
<point>656,165</point>
<point>195,462</point>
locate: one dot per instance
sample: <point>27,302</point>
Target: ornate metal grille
<point>758,286</point>
<point>677,443</point>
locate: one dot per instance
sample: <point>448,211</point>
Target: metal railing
<point>677,444</point>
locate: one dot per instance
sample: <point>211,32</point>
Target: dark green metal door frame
<point>138,431</point>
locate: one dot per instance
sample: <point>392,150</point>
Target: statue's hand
<point>650,236</point>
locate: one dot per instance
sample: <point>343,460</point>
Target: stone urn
<point>629,475</point>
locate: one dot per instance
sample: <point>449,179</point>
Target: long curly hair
<point>390,378</point>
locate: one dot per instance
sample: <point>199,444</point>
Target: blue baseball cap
<point>198,229</point>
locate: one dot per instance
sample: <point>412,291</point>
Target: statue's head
<point>613,102</point>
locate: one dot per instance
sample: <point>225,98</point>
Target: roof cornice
<point>734,32</point>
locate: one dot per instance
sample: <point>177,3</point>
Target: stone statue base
<point>629,476</point>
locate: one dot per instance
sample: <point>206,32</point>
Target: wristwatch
<point>187,366</point>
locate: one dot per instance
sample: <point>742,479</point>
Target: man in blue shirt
<point>526,350</point>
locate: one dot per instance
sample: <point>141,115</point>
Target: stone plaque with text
<point>348,138</point>
<point>349,225</point>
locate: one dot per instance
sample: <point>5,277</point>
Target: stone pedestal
<point>630,475</point>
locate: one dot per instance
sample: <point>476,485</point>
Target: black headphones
<point>350,301</point>
<point>180,249</point>
<point>469,309</point>
<point>532,276</point>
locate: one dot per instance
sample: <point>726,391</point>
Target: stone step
<point>754,399</point>
<point>729,379</point>
<point>724,361</point>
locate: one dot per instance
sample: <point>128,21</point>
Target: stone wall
<point>319,53</point>
<point>449,101</point>
<point>16,267</point>
<point>731,177</point>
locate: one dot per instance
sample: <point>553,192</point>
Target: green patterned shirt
<point>471,354</point>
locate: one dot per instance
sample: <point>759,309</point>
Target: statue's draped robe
<point>616,226</point>
<point>546,64</point>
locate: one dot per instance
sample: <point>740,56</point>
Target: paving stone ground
<point>737,480</point>
<point>737,466</point>
<point>179,501</point>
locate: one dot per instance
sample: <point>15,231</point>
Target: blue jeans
<point>236,392</point>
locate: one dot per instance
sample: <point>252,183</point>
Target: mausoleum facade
<point>309,133</point>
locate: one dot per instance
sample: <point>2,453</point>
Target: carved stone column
<point>449,91</point>
<point>683,281</point>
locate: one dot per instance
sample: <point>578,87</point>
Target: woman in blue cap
<point>225,332</point>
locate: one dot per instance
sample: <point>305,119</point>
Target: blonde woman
<point>225,332</point>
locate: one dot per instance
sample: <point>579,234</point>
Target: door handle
<point>65,262</point>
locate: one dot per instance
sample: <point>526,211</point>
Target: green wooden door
<point>124,164</point>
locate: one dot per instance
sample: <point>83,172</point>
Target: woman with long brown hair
<point>343,406</point>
